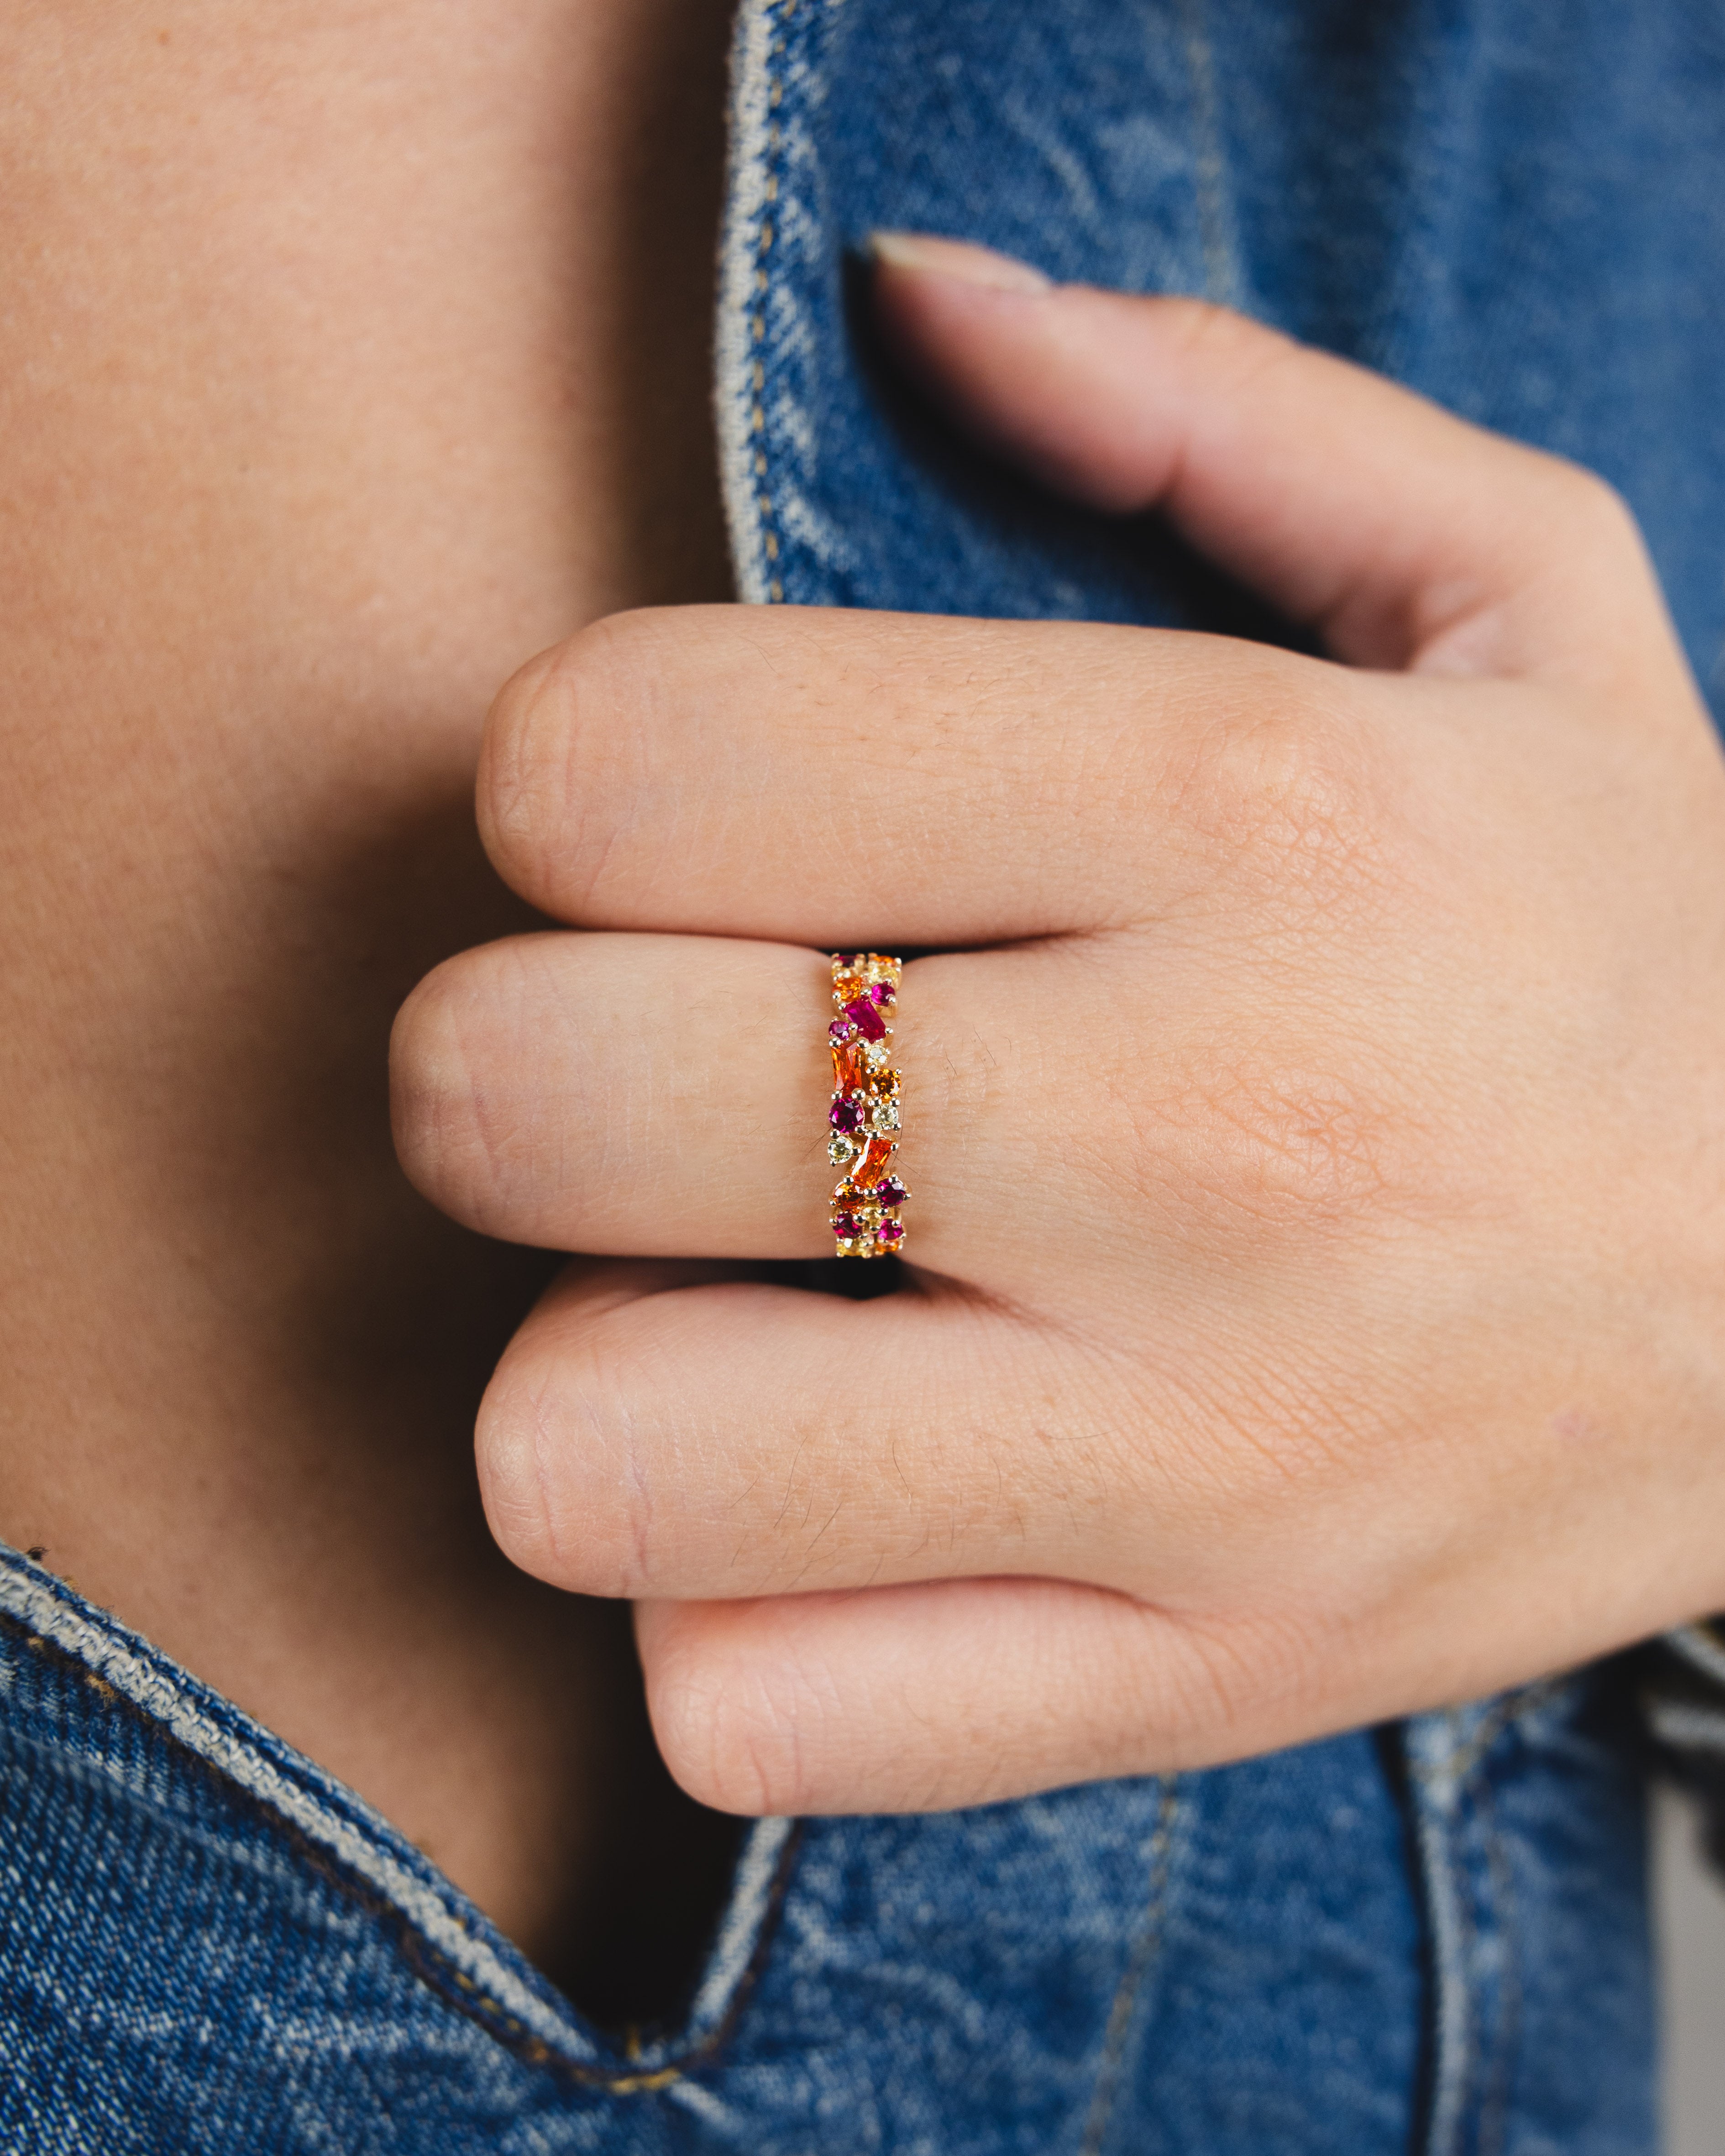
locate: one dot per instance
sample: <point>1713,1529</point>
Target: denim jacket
<point>1428,1938</point>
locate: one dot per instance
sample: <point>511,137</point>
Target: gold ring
<point>864,1118</point>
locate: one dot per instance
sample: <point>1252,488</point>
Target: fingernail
<point>956,257</point>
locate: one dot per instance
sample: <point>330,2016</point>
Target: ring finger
<point>669,1096</point>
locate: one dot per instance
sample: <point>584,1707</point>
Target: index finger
<point>824,777</point>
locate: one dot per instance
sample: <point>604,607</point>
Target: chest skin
<point>353,352</point>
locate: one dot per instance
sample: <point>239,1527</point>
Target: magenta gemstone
<point>867,1020</point>
<point>844,1226</point>
<point>841,1029</point>
<point>881,993</point>
<point>889,1231</point>
<point>846,1114</point>
<point>846,959</point>
<point>890,1191</point>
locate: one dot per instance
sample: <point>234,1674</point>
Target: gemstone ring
<point>864,1118</point>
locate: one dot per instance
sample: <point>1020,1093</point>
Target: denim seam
<point>1470,2079</point>
<point>1497,2075</point>
<point>80,1632</point>
<point>1446,1781</point>
<point>131,1676</point>
<point>1385,348</point>
<point>1505,1713</point>
<point>429,1964</point>
<point>1221,271</point>
<point>1144,1950</point>
<point>740,336</point>
<point>1451,2035</point>
<point>735,1982</point>
<point>425,1961</point>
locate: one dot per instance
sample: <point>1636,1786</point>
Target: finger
<point>960,1692</point>
<point>838,779</point>
<point>669,1096</point>
<point>740,1439</point>
<point>660,1096</point>
<point>1407,537</point>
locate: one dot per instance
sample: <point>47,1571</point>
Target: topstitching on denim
<point>1487,1783</point>
<point>747,303</point>
<point>1125,2008</point>
<point>446,1940</point>
<point>1472,1915</point>
<point>1215,215</point>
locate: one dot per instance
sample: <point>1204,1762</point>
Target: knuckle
<point>1594,507</point>
<point>512,1440</point>
<point>1226,342</point>
<point>465,1136</point>
<point>556,765</point>
<point>1284,792</point>
<point>1261,1150</point>
<point>544,1447</point>
<point>1224,1679</point>
<point>731,1724</point>
<point>1594,535</point>
<point>430,1084</point>
<point>515,784</point>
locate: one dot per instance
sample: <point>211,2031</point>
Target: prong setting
<point>865,1115</point>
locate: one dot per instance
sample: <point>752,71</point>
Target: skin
<point>351,354</point>
<point>1312,1111</point>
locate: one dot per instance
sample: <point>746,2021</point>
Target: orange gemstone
<point>867,1172</point>
<point>849,1068</point>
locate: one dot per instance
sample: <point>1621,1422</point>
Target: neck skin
<point>354,350</point>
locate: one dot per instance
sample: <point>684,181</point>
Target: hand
<point>1316,1119</point>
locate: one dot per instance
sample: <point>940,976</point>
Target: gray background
<point>1690,1912</point>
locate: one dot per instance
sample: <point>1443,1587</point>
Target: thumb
<point>1405,537</point>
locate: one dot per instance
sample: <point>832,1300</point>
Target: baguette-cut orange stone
<point>849,1068</point>
<point>868,1171</point>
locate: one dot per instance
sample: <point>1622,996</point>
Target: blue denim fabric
<point>1516,207</point>
<point>209,1947</point>
<point>1427,1939</point>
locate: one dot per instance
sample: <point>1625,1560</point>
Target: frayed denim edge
<point>737,407</point>
<point>150,1682</point>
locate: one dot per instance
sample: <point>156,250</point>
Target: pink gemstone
<point>890,1231</point>
<point>844,960</point>
<point>844,1226</point>
<point>881,993</point>
<point>841,1029</point>
<point>846,1114</point>
<point>890,1191</point>
<point>867,1020</point>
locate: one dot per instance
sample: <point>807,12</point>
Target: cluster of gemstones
<point>864,1115</point>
